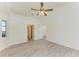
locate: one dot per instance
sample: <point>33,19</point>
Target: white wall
<point>0,26</point>
<point>17,30</point>
<point>63,26</point>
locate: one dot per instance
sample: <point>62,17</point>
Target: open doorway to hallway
<point>30,31</point>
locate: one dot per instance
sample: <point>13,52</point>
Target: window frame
<point>4,32</point>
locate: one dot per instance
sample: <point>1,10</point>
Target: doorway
<point>30,31</point>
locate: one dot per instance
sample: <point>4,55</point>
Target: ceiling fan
<point>42,11</point>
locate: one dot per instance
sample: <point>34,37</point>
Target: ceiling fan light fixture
<point>42,10</point>
<point>41,13</point>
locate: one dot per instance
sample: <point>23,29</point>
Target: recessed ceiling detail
<point>24,8</point>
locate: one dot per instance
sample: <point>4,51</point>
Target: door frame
<point>30,32</point>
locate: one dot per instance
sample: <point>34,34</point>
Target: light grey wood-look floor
<point>39,48</point>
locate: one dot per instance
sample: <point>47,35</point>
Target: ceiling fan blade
<point>34,9</point>
<point>48,9</point>
<point>42,4</point>
<point>45,14</point>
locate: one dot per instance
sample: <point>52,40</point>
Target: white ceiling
<point>23,8</point>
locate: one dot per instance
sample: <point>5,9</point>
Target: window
<point>4,28</point>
